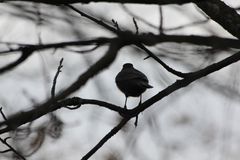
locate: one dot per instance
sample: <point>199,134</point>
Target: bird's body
<point>131,82</point>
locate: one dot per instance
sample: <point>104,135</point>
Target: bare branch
<point>188,80</point>
<point>55,78</point>
<point>161,20</point>
<point>59,2</point>
<point>3,115</point>
<point>105,138</point>
<point>115,23</point>
<point>99,22</point>
<point>215,9</point>
<point>11,149</point>
<point>26,52</point>
<point>29,116</point>
<point>169,69</point>
<point>83,51</point>
<point>136,25</point>
<point>97,41</point>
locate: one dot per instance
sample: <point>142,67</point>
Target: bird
<point>132,82</point>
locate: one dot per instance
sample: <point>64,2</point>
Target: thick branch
<point>224,15</point>
<point>59,2</point>
<point>26,52</point>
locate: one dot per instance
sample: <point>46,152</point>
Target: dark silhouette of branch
<point>169,69</point>
<point>215,9</point>
<point>39,47</point>
<point>106,138</point>
<point>83,51</point>
<point>3,115</point>
<point>161,30</point>
<point>26,52</point>
<point>136,26</point>
<point>99,22</point>
<point>59,2</point>
<point>186,81</point>
<point>55,78</point>
<point>24,117</point>
<point>4,141</point>
<point>11,149</point>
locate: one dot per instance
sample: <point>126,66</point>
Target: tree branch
<point>105,138</point>
<point>224,15</point>
<point>4,141</point>
<point>59,2</point>
<point>24,117</point>
<point>55,78</point>
<point>186,81</point>
<point>26,52</point>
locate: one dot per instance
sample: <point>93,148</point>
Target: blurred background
<point>198,122</point>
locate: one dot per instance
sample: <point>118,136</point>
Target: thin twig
<point>136,25</point>
<point>115,23</point>
<point>161,20</point>
<point>99,22</point>
<point>4,141</point>
<point>126,9</point>
<point>55,78</point>
<point>169,69</point>
<point>83,51</point>
<point>3,115</point>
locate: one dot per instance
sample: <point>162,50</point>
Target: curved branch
<point>26,52</point>
<point>169,69</point>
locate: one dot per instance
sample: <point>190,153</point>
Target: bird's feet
<point>136,121</point>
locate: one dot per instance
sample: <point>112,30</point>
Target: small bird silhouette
<point>131,82</point>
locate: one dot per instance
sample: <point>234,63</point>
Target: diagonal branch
<point>4,141</point>
<point>26,52</point>
<point>186,81</point>
<point>106,138</point>
<point>55,78</point>
<point>224,15</point>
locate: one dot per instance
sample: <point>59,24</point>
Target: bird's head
<point>128,65</point>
